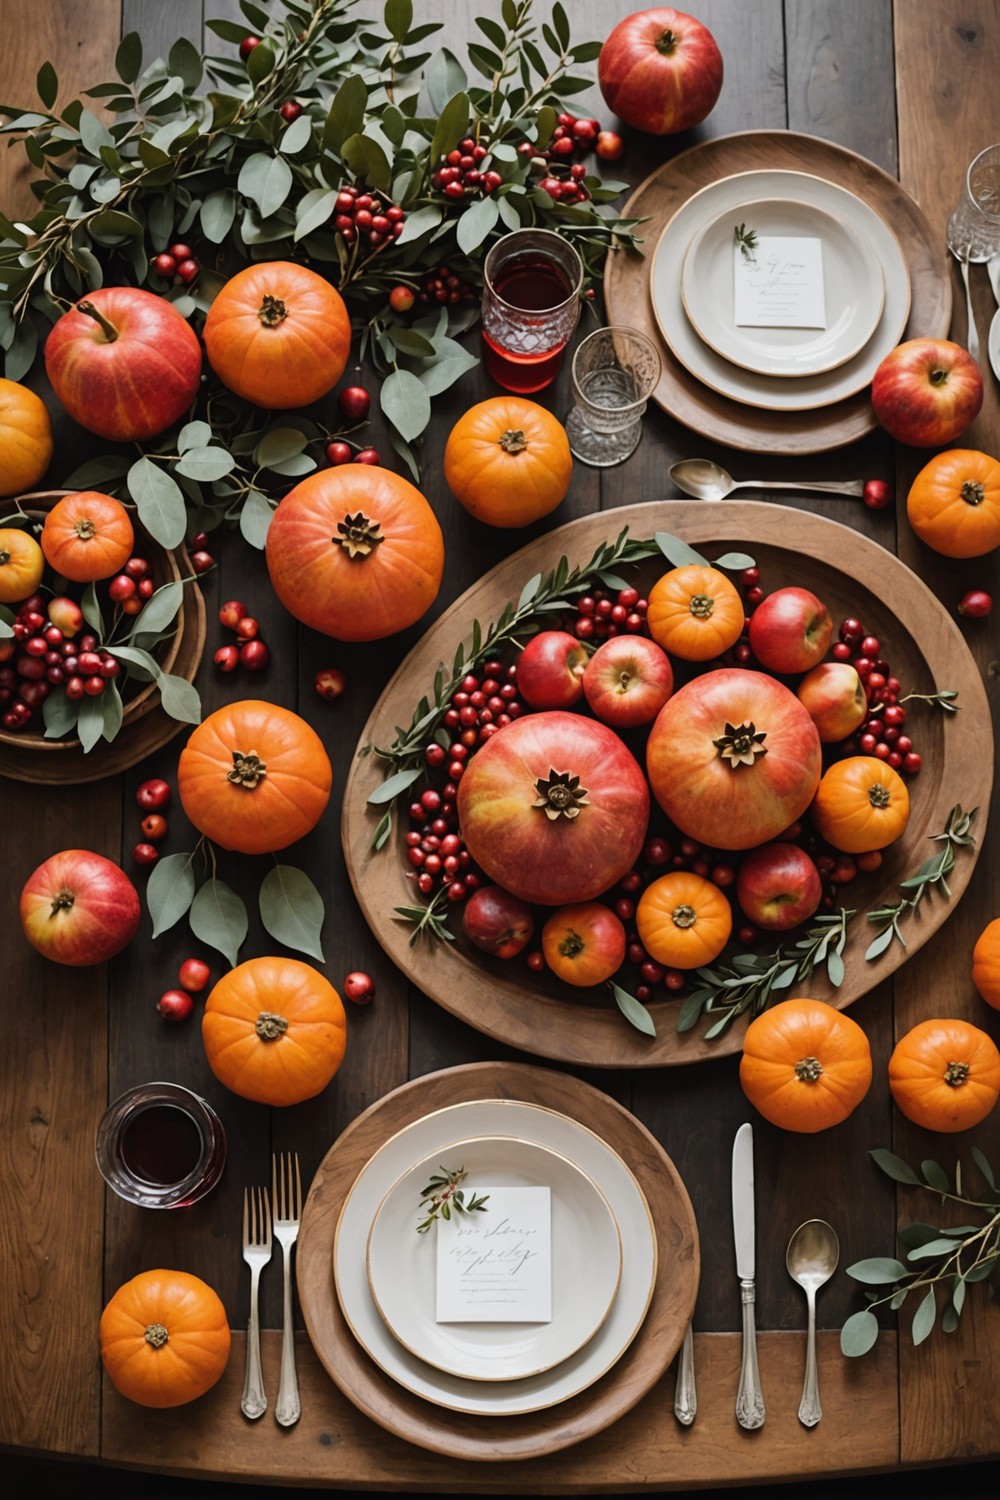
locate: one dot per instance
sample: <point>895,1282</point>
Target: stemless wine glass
<point>615,370</point>
<point>161,1146</point>
<point>531,302</point>
<point>976,221</point>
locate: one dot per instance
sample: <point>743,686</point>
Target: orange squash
<point>25,438</point>
<point>508,462</point>
<point>861,804</point>
<point>254,777</point>
<point>695,613</point>
<point>278,335</point>
<point>683,920</point>
<point>805,1065</point>
<point>954,503</point>
<point>22,563</point>
<point>584,944</point>
<point>274,1031</point>
<point>87,536</point>
<point>945,1075</point>
<point>164,1338</point>
<point>986,964</point>
<point>355,553</point>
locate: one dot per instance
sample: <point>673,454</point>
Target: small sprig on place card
<point>443,1196</point>
<point>747,241</point>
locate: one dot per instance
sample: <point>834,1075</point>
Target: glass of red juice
<point>161,1146</point>
<point>532,280</point>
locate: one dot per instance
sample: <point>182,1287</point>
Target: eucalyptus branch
<point>932,873</point>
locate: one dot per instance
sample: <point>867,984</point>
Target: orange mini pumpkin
<point>954,503</point>
<point>986,964</point>
<point>861,805</point>
<point>805,1065</point>
<point>278,335</point>
<point>584,944</point>
<point>254,777</point>
<point>683,920</point>
<point>25,438</point>
<point>164,1338</point>
<point>355,552</point>
<point>945,1075</point>
<point>695,613</point>
<point>87,536</point>
<point>274,1031</point>
<point>507,460</point>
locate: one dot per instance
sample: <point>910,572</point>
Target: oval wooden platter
<point>486,1438</point>
<point>854,576</point>
<point>681,394</point>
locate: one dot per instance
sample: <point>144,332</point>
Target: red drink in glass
<point>161,1146</point>
<point>530,307</point>
<point>534,285</point>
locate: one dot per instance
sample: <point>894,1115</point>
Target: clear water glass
<point>976,221</point>
<point>161,1146</point>
<point>615,371</point>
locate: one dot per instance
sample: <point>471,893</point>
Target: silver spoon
<point>706,480</point>
<point>812,1256</point>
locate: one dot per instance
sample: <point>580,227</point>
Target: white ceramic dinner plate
<point>775,393</point>
<point>585,1251</point>
<point>853,284</point>
<point>434,1135</point>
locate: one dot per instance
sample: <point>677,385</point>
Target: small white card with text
<point>779,283</point>
<point>496,1266</point>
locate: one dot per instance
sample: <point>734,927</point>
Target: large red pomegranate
<point>733,758</point>
<point>554,808</point>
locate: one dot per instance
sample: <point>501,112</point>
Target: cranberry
<point>109,668</point>
<point>145,588</point>
<point>746,936</point>
<point>870,646</point>
<point>187,271</point>
<point>174,1005</point>
<point>912,763</point>
<point>354,402</point>
<point>93,686</point>
<point>247,629</point>
<point>877,494</point>
<point>181,252</point>
<point>227,658</point>
<point>851,630</point>
<point>145,854</point>
<point>609,145</point>
<point>254,655</point>
<point>290,111</point>
<point>976,604</point>
<point>36,645</point>
<point>869,861</point>
<point>153,828</point>
<point>339,452</point>
<point>31,667</point>
<point>651,972</point>
<point>231,613</point>
<point>153,796</point>
<point>368,456</point>
<point>164,265</point>
<point>194,975</point>
<point>74,688</point>
<point>536,962</point>
<point>841,651</point>
<point>136,567</point>
<point>656,852</point>
<point>202,561</point>
<point>121,587</point>
<point>360,988</point>
<point>330,683</point>
<point>247,45</point>
<point>34,694</point>
<point>402,298</point>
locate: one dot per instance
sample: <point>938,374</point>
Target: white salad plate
<point>853,286</point>
<point>738,195</point>
<point>438,1135</point>
<point>586,1257</point>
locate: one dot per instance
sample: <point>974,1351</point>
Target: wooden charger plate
<point>679,393</point>
<point>854,576</point>
<point>516,1437</point>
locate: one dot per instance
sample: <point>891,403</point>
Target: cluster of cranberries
<point>178,264</point>
<point>354,403</point>
<point>444,285</point>
<point>460,173</point>
<point>153,799</point>
<point>49,649</point>
<point>362,216</point>
<point>600,616</point>
<point>200,557</point>
<point>883,733</point>
<point>177,1005</point>
<point>249,650</point>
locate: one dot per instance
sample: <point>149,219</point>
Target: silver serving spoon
<point>812,1256</point>
<point>706,480</point>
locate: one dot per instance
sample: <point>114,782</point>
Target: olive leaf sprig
<point>442,1196</point>
<point>945,699</point>
<point>429,918</point>
<point>932,873</point>
<point>952,1258</point>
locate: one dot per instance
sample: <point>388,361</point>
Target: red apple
<point>497,922</point>
<point>124,363</point>
<point>660,70</point>
<point>790,631</point>
<point>778,886</point>
<point>927,391</point>
<point>628,680</point>
<point>550,670</point>
<point>79,908</point>
<point>834,697</point>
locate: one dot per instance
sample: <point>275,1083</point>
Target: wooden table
<point>906,85</point>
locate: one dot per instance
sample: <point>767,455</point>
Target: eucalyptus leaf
<point>894,1166</point>
<point>301,463</point>
<point>218,917</point>
<point>935,1176</point>
<point>144,666</point>
<point>113,710</point>
<point>858,1334</point>
<point>21,352</point>
<point>90,605</point>
<point>406,403</point>
<point>393,785</point>
<point>296,136</point>
<point>278,444</point>
<point>443,373</point>
<point>451,126</point>
<point>677,552</point>
<point>206,464</point>
<point>256,516</point>
<point>443,79</point>
<point>93,134</point>
<point>419,222</point>
<point>634,1012</point>
<point>179,698</point>
<point>313,211</point>
<point>47,85</point>
<point>734,561</point>
<point>260,63</point>
<point>923,1318</point>
<point>879,1270</point>
<point>159,501</point>
<point>169,890</point>
<point>193,435</point>
<point>835,968</point>
<point>347,112</point>
<point>291,909</point>
<point>184,61</point>
<point>128,58</point>
<point>159,611</point>
<point>265,180</point>
<point>878,945</point>
<point>90,724</point>
<point>217,213</point>
<point>475,225</point>
<point>60,715</point>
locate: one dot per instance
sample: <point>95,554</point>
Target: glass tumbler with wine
<point>161,1146</point>
<point>532,279</point>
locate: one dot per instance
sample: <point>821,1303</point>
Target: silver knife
<point>749,1398</point>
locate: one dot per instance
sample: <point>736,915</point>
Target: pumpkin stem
<point>956,1073</point>
<point>684,916</point>
<point>156,1335</point>
<point>513,440</point>
<point>272,311</point>
<point>701,605</point>
<point>248,769</point>
<point>560,795</point>
<point>878,795</point>
<point>972,492</point>
<point>357,535</point>
<point>571,945</point>
<point>4,557</point>
<point>61,901</point>
<point>108,329</point>
<point>808,1069</point>
<point>270,1027</point>
<point>85,529</point>
<point>666,43</point>
<point>740,747</point>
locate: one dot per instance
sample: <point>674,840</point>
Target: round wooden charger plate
<point>854,576</point>
<point>679,393</point>
<point>481,1438</point>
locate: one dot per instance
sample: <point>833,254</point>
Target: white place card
<point>496,1266</point>
<point>779,284</point>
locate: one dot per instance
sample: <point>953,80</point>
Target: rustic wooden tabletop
<point>907,86</point>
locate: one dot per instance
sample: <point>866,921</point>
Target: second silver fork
<point>286,1190</point>
<point>256,1253</point>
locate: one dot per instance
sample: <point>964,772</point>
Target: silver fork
<point>256,1253</point>
<point>286,1191</point>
